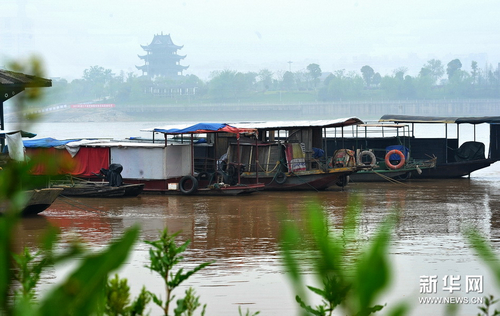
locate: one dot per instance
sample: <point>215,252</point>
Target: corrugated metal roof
<point>10,78</point>
<point>23,133</point>
<point>126,144</point>
<point>300,123</point>
<point>438,119</point>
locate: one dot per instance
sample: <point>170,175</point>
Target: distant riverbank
<point>231,112</point>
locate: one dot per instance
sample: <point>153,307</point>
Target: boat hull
<point>230,190</point>
<point>37,201</point>
<point>100,189</point>
<point>380,176</point>
<point>303,181</point>
<point>454,169</point>
<point>171,187</point>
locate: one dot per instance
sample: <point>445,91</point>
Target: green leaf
<point>7,224</point>
<point>307,308</point>
<point>82,292</point>
<point>140,303</point>
<point>400,309</point>
<point>485,252</point>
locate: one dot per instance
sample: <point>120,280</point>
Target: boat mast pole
<point>446,141</point>
<point>343,140</point>
<point>325,142</point>
<point>256,158</point>
<point>192,155</point>
<point>216,138</point>
<point>239,157</point>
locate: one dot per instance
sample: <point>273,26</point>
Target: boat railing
<point>205,164</point>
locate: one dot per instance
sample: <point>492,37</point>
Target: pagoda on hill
<point>161,58</point>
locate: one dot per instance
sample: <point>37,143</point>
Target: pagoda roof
<point>161,41</point>
<point>178,57</point>
<point>177,67</point>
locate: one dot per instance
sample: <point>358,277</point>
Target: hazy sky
<point>243,35</point>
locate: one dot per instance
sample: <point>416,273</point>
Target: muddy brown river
<point>242,233</point>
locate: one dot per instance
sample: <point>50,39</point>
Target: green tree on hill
<point>288,81</point>
<point>452,68</point>
<point>314,71</point>
<point>265,79</point>
<point>98,81</point>
<point>434,69</point>
<point>368,74</point>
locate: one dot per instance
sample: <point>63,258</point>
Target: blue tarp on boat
<point>46,142</point>
<point>200,127</point>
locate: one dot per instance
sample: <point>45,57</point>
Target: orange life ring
<point>401,161</point>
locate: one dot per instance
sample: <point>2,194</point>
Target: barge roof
<point>301,123</point>
<point>440,119</point>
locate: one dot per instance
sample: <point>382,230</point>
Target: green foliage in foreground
<point>82,293</point>
<point>118,298</point>
<point>352,278</point>
<point>164,256</point>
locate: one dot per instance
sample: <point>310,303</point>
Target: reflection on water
<point>241,235</point>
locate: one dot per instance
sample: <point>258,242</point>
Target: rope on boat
<point>294,174</point>
<point>275,166</point>
<point>389,178</point>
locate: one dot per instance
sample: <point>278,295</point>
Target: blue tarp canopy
<point>203,128</point>
<point>193,128</point>
<point>46,142</point>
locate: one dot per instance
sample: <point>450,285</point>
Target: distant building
<point>162,58</point>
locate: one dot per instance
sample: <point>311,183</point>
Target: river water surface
<point>242,233</point>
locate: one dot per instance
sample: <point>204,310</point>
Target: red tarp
<point>88,160</point>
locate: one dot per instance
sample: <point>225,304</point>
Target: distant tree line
<point>434,81</point>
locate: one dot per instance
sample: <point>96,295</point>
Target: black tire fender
<point>184,185</point>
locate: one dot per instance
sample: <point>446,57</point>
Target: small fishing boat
<point>98,189</point>
<point>455,158</point>
<point>111,186</point>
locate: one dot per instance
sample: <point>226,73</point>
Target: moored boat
<point>85,188</point>
<point>290,155</point>
<point>455,158</point>
<point>201,182</point>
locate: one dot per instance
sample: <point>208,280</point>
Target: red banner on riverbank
<point>100,105</point>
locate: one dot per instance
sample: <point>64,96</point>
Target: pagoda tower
<point>161,58</point>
